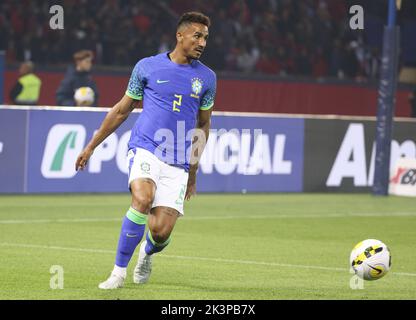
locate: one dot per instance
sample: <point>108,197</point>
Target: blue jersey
<point>172,95</point>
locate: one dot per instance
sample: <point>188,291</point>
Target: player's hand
<point>83,158</point>
<point>191,187</point>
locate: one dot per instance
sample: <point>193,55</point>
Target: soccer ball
<point>84,96</point>
<point>370,259</point>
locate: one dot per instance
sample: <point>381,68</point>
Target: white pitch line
<point>277,216</point>
<point>311,216</point>
<point>59,220</point>
<point>249,262</point>
<point>34,246</point>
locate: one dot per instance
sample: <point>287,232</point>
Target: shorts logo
<point>145,166</point>
<point>63,144</point>
<point>181,197</point>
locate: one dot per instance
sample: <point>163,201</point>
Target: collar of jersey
<point>187,65</point>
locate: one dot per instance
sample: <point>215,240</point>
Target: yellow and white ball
<point>84,96</point>
<point>370,259</point>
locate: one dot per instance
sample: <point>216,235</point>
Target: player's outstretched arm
<point>114,118</point>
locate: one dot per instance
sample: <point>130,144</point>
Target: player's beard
<point>197,54</point>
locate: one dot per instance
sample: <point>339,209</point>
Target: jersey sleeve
<point>137,82</point>
<point>207,101</point>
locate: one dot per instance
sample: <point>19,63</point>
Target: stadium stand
<point>300,38</point>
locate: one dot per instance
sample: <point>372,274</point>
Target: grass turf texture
<point>277,246</point>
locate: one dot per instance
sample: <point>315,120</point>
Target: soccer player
<point>177,94</point>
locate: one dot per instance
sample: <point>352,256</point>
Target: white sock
<point>119,271</point>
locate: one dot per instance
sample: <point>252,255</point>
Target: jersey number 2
<point>177,102</point>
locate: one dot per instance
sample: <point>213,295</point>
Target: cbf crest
<point>196,87</point>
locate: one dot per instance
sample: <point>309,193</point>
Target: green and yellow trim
<point>133,96</point>
<point>136,217</point>
<point>206,107</point>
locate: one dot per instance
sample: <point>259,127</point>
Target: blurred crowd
<point>274,37</point>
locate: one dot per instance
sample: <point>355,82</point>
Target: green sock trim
<point>136,217</point>
<point>163,244</point>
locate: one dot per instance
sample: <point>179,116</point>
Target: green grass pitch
<point>274,246</point>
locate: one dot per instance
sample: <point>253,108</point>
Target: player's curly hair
<point>193,16</point>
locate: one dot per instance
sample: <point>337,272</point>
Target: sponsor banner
<point>242,154</point>
<point>403,179</point>
<point>57,138</point>
<point>13,132</point>
<point>340,154</point>
<point>253,154</point>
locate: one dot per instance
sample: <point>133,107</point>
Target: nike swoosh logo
<point>377,270</point>
<point>131,235</point>
<point>162,81</point>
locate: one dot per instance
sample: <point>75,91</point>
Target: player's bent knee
<point>160,233</point>
<point>142,191</point>
<point>142,202</point>
<point>160,236</point>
